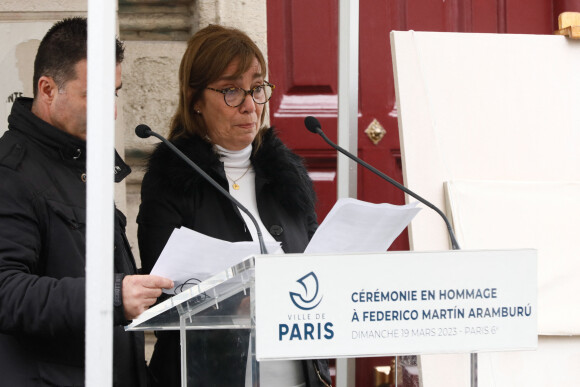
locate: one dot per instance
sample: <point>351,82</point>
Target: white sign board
<point>320,306</point>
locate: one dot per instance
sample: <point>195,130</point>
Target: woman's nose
<point>248,105</point>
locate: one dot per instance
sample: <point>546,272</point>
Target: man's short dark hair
<point>63,46</point>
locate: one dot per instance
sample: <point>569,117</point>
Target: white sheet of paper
<point>192,256</point>
<point>355,226</point>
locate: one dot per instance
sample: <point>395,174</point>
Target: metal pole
<point>348,95</point>
<point>474,370</point>
<point>100,192</point>
<point>347,130</point>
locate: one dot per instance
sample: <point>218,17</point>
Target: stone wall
<point>149,96</point>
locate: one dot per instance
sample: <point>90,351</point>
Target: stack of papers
<point>352,226</point>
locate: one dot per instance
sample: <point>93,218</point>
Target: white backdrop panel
<point>488,107</point>
<point>544,216</point>
<point>485,107</point>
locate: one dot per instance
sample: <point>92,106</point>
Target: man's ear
<point>47,89</point>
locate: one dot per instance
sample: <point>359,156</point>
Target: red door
<point>302,55</point>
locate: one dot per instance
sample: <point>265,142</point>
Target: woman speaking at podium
<point>219,125</point>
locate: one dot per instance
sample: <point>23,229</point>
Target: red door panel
<point>302,51</point>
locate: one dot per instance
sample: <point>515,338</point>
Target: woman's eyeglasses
<point>235,96</point>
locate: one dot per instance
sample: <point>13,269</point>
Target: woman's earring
<point>197,110</point>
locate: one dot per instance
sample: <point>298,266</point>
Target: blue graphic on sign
<point>308,299</point>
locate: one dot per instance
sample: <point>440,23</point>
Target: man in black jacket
<point>42,229</point>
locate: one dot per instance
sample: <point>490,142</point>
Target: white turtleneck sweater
<point>239,170</point>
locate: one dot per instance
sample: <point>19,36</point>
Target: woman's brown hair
<point>208,54</point>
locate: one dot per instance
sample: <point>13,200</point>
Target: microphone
<point>144,131</point>
<point>313,125</point>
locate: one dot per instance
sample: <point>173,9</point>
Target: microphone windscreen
<point>312,124</point>
<point>143,131</point>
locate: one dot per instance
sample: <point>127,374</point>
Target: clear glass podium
<point>225,301</point>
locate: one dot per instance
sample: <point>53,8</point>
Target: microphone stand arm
<point>217,186</point>
<point>454,243</point>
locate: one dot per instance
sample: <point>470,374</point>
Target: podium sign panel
<point>320,306</point>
